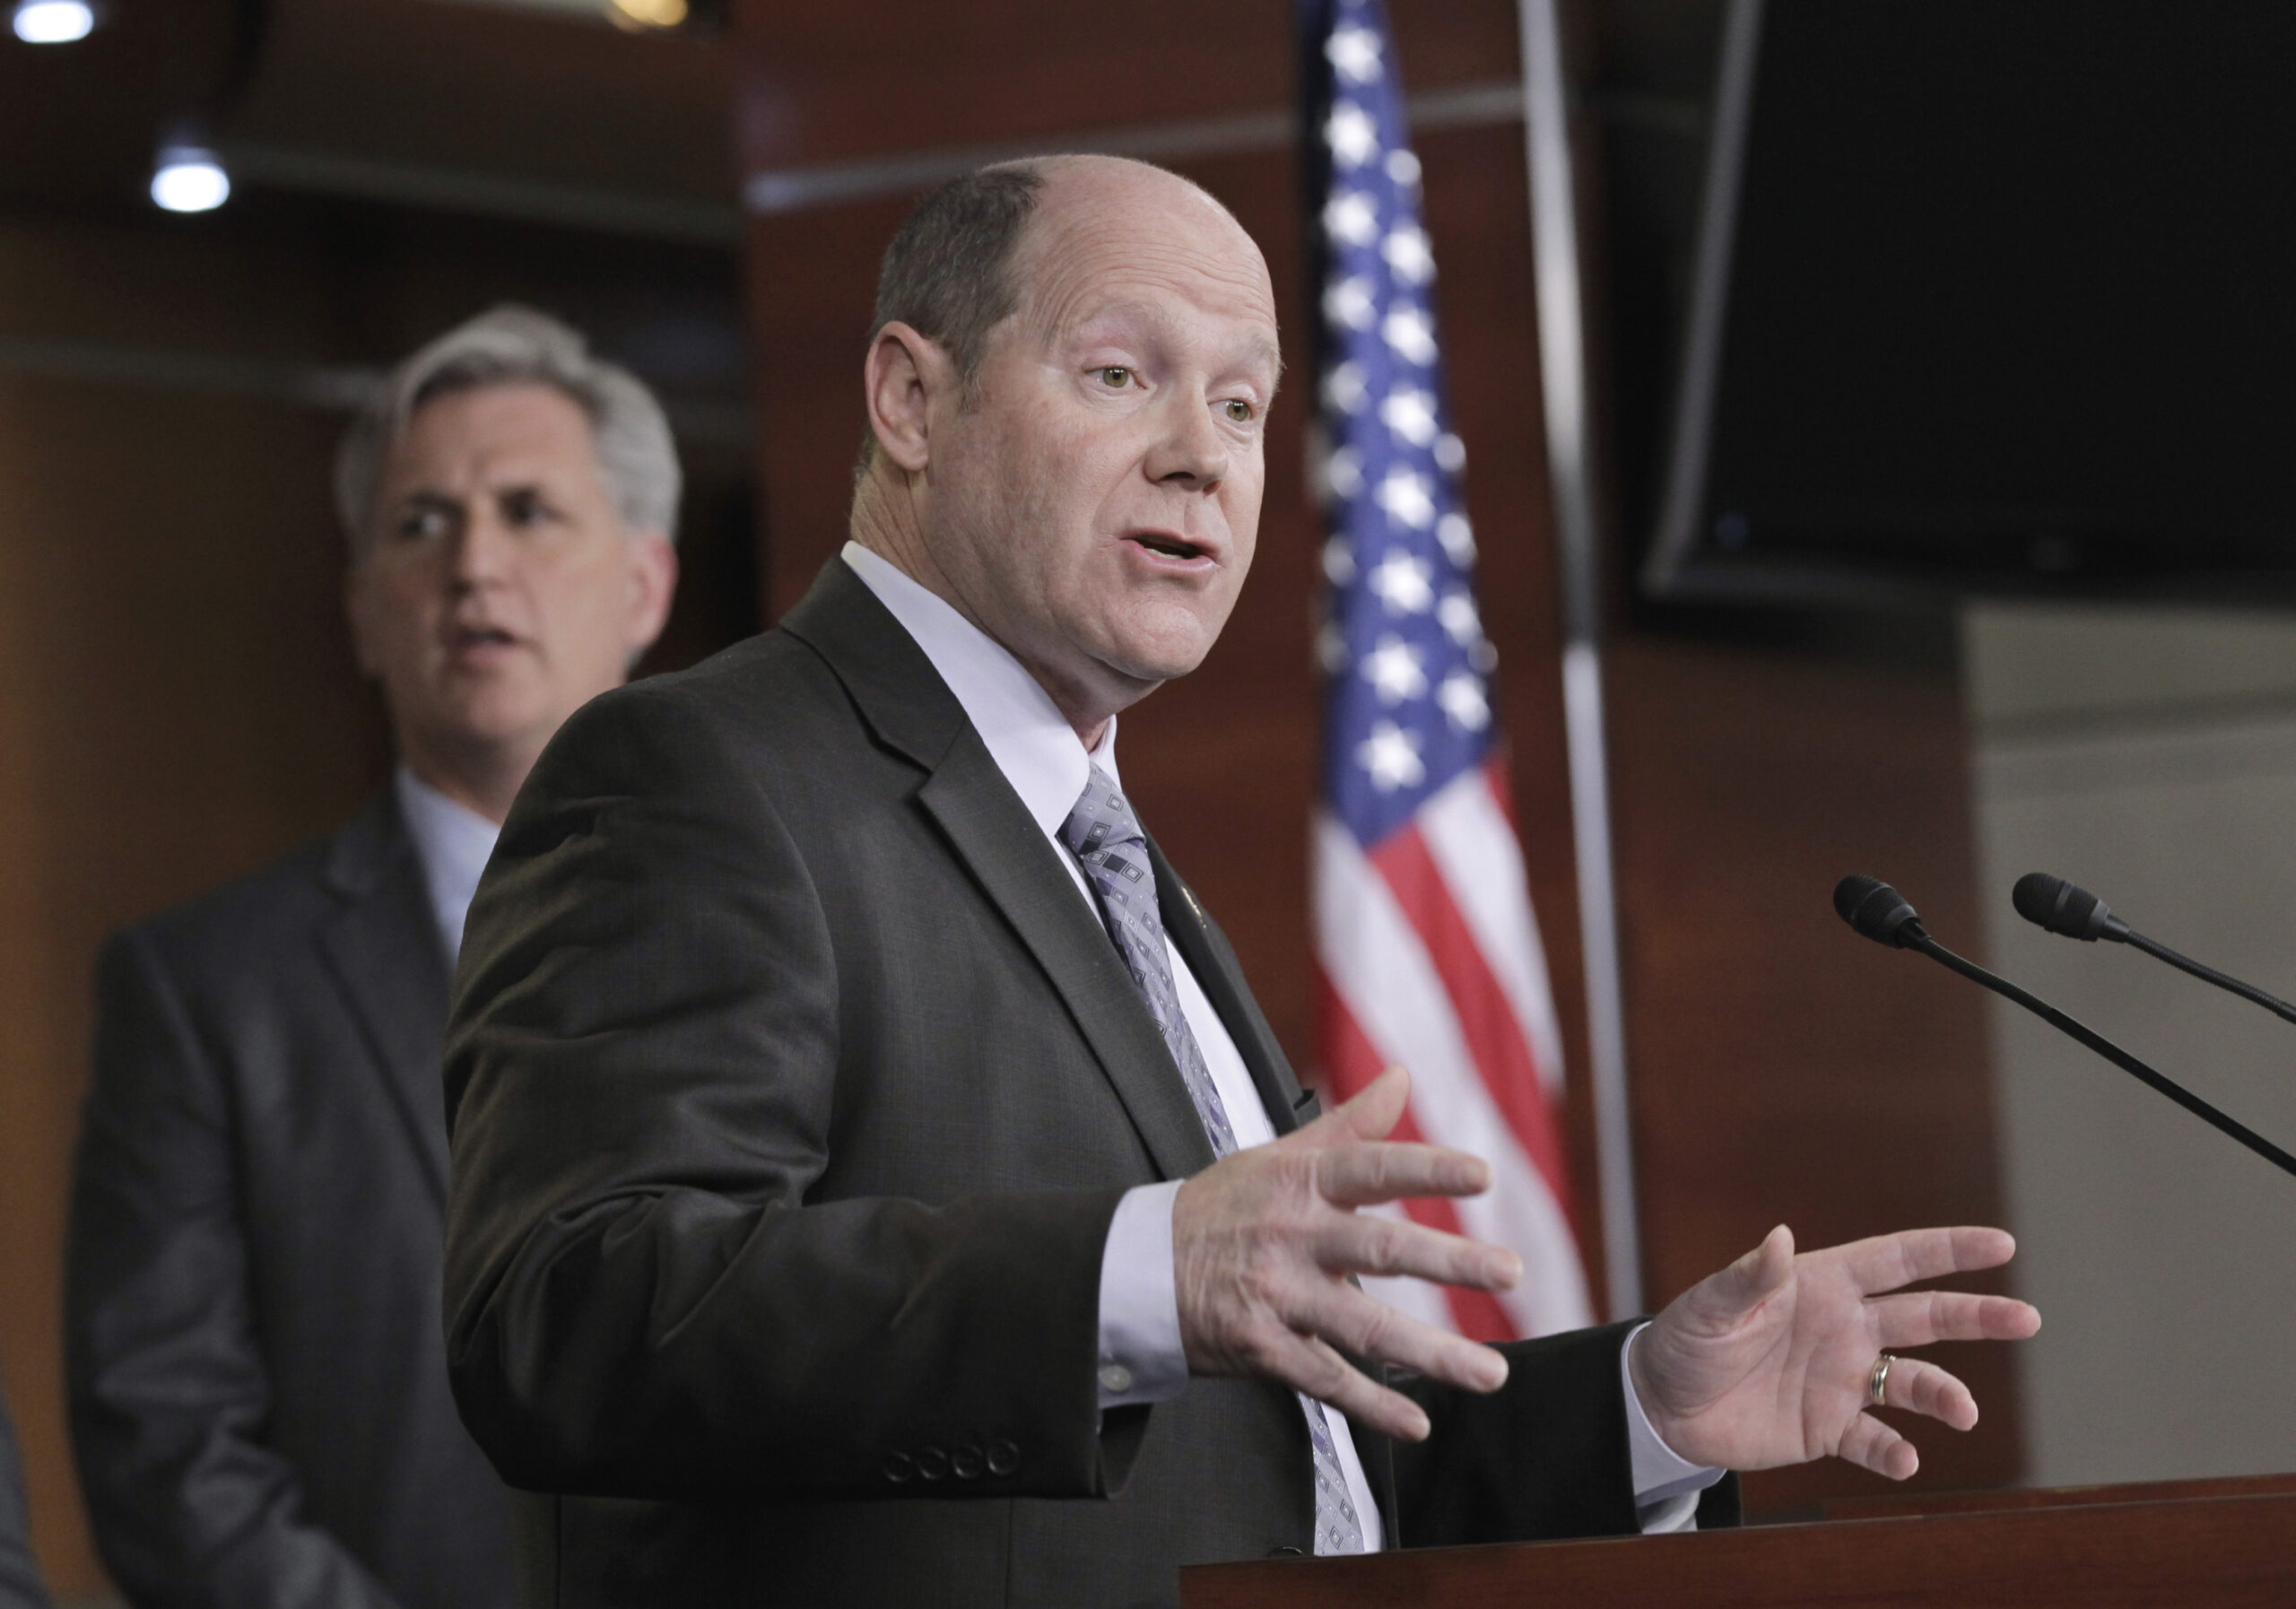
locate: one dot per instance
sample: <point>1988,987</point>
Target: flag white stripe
<point>1376,960</point>
<point>1473,845</point>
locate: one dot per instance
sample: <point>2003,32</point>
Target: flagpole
<point>1554,254</point>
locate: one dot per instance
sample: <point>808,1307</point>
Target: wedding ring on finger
<point>1877,1384</point>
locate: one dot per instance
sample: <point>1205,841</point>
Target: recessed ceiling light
<point>632,16</point>
<point>646,13</point>
<point>189,178</point>
<point>53,21</point>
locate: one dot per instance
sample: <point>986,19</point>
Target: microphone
<point>2062,907</point>
<point>1878,911</point>
<point>2053,903</point>
<point>1883,915</point>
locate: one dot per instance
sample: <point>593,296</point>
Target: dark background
<point>2008,305</point>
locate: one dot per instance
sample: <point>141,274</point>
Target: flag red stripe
<point>1503,787</point>
<point>1352,1061</point>
<point>1474,1314</point>
<point>1501,1050</point>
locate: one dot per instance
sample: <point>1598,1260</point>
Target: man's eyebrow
<point>1271,353</point>
<point>1265,351</point>
<point>1117,312</point>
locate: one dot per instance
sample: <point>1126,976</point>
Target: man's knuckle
<point>1372,1334</point>
<point>1381,1250</point>
<point>1261,1283</point>
<point>1263,1346</point>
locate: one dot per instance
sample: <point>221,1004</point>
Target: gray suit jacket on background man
<point>259,1402</point>
<point>21,1587</point>
<point>775,933</point>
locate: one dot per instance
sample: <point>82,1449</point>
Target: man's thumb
<point>1743,1286</point>
<point>1372,1114</point>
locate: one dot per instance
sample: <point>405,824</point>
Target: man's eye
<point>1115,377</point>
<point>524,508</point>
<point>1238,410</point>
<point>422,523</point>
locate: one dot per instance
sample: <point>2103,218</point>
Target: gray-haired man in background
<point>259,1400</point>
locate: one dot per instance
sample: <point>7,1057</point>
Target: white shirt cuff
<point>1666,1483</point>
<point>1142,1358</point>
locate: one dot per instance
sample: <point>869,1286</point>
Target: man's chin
<point>1151,661</point>
<point>1160,641</point>
<point>495,718</point>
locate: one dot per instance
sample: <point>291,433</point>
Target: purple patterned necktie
<point>1105,837</point>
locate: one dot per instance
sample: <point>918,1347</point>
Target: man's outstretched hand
<point>1762,1364</point>
<point>1768,1362</point>
<point>1264,1240</point>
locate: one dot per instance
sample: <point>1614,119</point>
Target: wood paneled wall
<point>1785,1070</point>
<point>1782,1069</point>
<point>176,701</point>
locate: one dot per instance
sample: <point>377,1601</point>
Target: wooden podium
<point>2219,1544</point>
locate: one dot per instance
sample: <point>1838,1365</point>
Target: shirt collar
<point>453,842</point>
<point>1030,739</point>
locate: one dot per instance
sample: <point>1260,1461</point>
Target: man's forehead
<point>1137,244</point>
<point>494,430</point>
<point>1120,306</point>
<point>1101,197</point>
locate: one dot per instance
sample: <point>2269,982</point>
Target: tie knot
<point>1101,820</point>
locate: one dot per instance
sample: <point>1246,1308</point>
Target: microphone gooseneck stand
<point>2065,908</point>
<point>1882,914</point>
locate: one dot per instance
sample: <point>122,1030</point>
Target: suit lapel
<point>1000,844</point>
<point>382,947</point>
<point>912,711</point>
<point>1205,950</point>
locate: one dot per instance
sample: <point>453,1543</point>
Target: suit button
<point>899,1468</point>
<point>1003,1458</point>
<point>1115,1380</point>
<point>965,1463</point>
<point>932,1463</point>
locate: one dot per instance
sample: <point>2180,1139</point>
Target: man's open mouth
<point>1169,545</point>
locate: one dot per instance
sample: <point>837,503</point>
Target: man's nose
<point>1191,452</point>
<point>482,554</point>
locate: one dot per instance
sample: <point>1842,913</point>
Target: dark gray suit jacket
<point>259,1402</point>
<point>19,1584</point>
<point>793,1089</point>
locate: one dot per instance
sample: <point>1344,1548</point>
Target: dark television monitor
<point>1992,296</point>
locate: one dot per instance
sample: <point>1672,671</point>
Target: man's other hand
<point>1769,1361</point>
<point>1264,1242</point>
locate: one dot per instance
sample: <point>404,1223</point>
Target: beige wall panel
<point>2150,756</point>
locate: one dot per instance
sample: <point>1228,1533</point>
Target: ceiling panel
<point>457,90</point>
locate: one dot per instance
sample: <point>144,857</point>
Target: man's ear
<point>903,376</point>
<point>652,585</point>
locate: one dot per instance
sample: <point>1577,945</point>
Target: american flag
<point>1428,951</point>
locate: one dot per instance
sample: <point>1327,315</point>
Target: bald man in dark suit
<point>874,1182</point>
